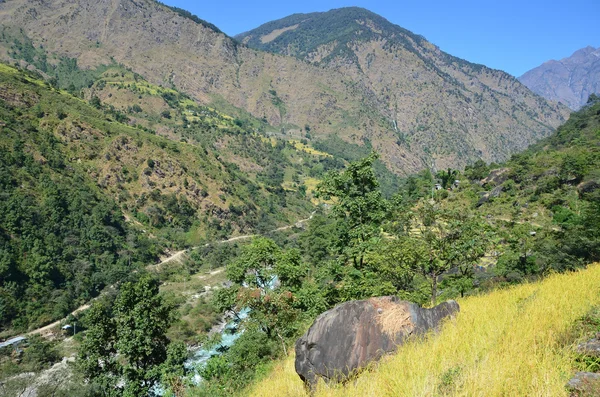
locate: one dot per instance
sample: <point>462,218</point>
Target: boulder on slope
<point>345,339</point>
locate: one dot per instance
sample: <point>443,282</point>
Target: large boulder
<point>345,339</point>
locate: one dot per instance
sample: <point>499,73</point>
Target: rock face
<point>346,338</point>
<point>590,348</point>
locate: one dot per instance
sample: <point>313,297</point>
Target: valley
<point>180,209</point>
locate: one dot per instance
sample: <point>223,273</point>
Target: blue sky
<point>511,35</point>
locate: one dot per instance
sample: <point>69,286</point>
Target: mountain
<point>369,85</point>
<point>570,80</point>
<point>450,107</point>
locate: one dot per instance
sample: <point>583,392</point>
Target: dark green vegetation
<point>125,350</point>
<point>353,152</point>
<point>89,198</point>
<point>342,26</point>
<point>189,15</point>
<point>61,239</point>
<point>62,72</point>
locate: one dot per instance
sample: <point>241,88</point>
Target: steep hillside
<point>398,93</point>
<point>450,107</point>
<point>516,341</point>
<point>89,198</point>
<point>570,80</point>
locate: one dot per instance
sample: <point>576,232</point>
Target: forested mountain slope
<point>387,88</point>
<point>89,198</point>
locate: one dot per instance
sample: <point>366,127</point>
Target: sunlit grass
<point>308,149</point>
<point>512,342</point>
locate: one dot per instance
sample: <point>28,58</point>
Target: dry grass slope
<point>512,342</point>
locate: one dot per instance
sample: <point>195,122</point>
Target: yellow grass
<point>308,149</point>
<point>10,70</point>
<point>508,343</point>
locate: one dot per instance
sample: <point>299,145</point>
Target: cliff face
<point>570,80</point>
<point>390,88</point>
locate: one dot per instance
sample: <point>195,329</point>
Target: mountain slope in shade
<point>570,80</point>
<point>385,88</point>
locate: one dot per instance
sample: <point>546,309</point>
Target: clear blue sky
<point>511,35</point>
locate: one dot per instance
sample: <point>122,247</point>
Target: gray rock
<point>584,382</point>
<point>485,196</point>
<point>496,177</point>
<point>345,339</point>
<point>590,348</point>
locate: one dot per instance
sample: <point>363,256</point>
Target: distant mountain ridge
<point>570,80</point>
<point>382,88</point>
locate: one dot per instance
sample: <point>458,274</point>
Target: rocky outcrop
<point>584,382</point>
<point>590,348</point>
<point>486,196</point>
<point>345,339</point>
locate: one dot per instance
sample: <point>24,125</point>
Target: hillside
<point>517,222</point>
<point>570,80</point>
<point>397,93</point>
<point>518,341</point>
<point>94,191</point>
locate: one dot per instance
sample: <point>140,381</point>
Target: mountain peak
<point>570,80</point>
<point>300,34</point>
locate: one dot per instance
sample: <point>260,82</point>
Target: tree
<point>445,241</point>
<point>477,171</point>
<point>125,349</point>
<point>358,205</point>
<point>254,273</point>
<point>255,267</point>
<point>447,178</point>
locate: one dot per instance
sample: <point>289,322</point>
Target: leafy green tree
<point>95,102</point>
<point>272,308</point>
<point>225,300</point>
<point>445,241</point>
<point>125,349</point>
<point>477,170</point>
<point>447,178</point>
<point>255,267</point>
<point>358,205</point>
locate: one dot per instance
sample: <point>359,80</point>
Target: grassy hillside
<point>516,342</point>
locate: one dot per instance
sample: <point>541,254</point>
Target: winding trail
<point>177,256</point>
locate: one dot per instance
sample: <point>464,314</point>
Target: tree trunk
<point>282,344</point>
